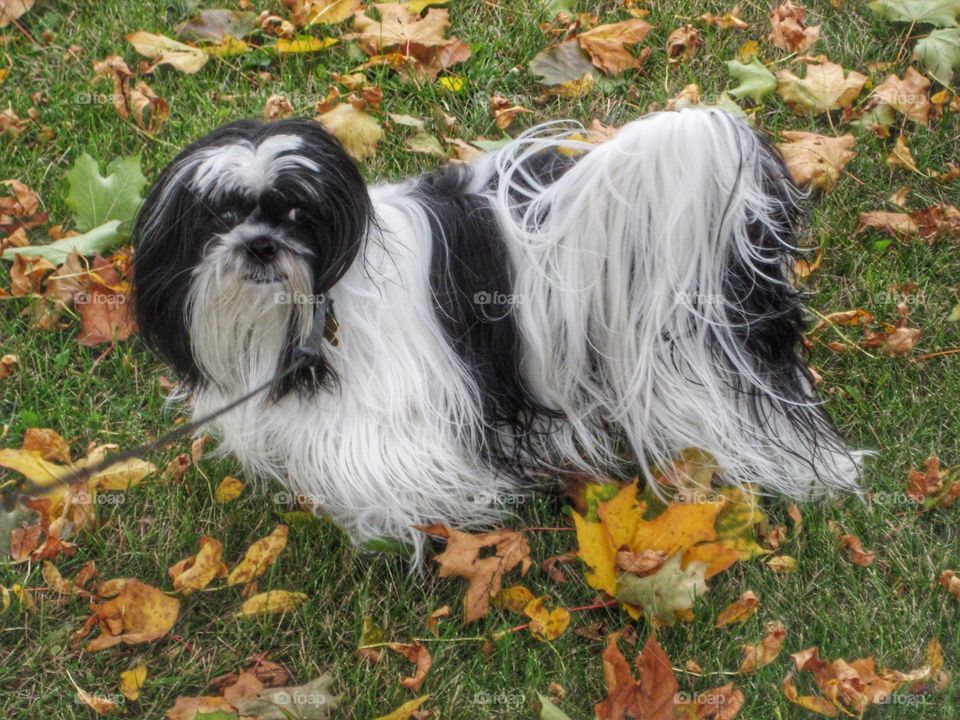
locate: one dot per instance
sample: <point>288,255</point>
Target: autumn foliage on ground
<point>643,556</point>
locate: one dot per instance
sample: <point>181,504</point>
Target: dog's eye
<point>229,217</point>
<point>295,214</point>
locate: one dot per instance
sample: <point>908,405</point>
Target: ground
<point>902,409</point>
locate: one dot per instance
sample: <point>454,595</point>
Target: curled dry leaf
<point>198,571</point>
<point>504,111</point>
<point>950,579</point>
<point>8,365</point>
<point>788,30</point>
<point>683,43</point>
<point>825,87</point>
<point>934,487</point>
<point>729,20</point>
<point>462,558</point>
<point>259,556</point>
<point>434,619</point>
<point>766,651</point>
<point>408,710</point>
<point>852,545</point>
<point>270,602</point>
<point>610,47</point>
<point>358,131</point>
<point>514,598</point>
<point>417,654</point>
<point>131,612</point>
<point>739,610</point>
<point>277,107</point>
<point>901,156</point>
<point>907,96</point>
<point>897,225</point>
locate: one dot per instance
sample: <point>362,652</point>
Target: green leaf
<point>756,81</point>
<point>555,7</point>
<point>98,240</point>
<point>549,711</point>
<point>388,546</point>
<point>942,13</point>
<point>96,199</point>
<point>217,25</point>
<point>216,715</point>
<point>954,315</point>
<point>939,53</point>
<point>561,64</point>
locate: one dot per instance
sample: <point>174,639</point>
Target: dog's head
<point>240,234</point>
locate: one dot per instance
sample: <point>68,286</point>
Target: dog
<point>552,304</point>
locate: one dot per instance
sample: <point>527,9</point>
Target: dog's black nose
<point>262,248</point>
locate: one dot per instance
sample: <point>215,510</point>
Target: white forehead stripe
<point>246,168</point>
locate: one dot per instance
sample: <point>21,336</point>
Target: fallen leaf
<point>417,654</point>
<point>462,558</point>
<point>782,564</point>
<point>106,315</point>
<point>8,365</point>
<point>788,30</point>
<point>739,610</point>
<point>934,487</point>
<point>358,131</point>
<point>434,619</point>
<point>228,490</point>
<point>13,10</point>
<point>939,54</point>
<point>897,225</point>
<point>405,711</point>
<point>816,160</point>
<point>814,704</point>
<point>852,544</point>
<point>950,579</point>
<point>727,21</point>
<point>901,156</point>
<point>546,625</point>
<point>826,87</point>
<point>300,45</point>
<point>198,571</point>
<point>217,25</point>
<point>131,681</point>
<point>756,81</point>
<point>272,601</point>
<point>562,64</point>
<point>766,651</point>
<point>683,43</point>
<point>426,144</point>
<point>321,12</point>
<point>941,13</point>
<point>907,96</point>
<point>167,51</point>
<point>504,111</point>
<point>277,107</point>
<point>131,612</point>
<point>514,598</point>
<point>259,557</point>
<point>610,46</point>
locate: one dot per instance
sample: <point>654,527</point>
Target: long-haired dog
<point>553,304</point>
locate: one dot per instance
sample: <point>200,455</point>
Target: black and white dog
<point>554,303</point>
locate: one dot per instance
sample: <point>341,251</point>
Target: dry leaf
<point>816,160</point>
<point>106,314</point>
<point>934,488</point>
<point>358,131</point>
<point>131,612</point>
<point>610,46</point>
<point>683,43</point>
<point>907,96</point>
<point>782,564</point>
<point>228,490</point>
<point>546,625</point>
<point>788,31</point>
<point>435,617</point>
<point>166,51</point>
<point>727,21</point>
<point>826,87</point>
<point>739,610</point>
<point>897,225</point>
<point>277,107</point>
<point>766,651</point>
<point>950,579</point>
<point>272,601</point>
<point>131,681</point>
<point>901,156</point>
<point>462,558</point>
<point>198,571</point>
<point>417,654</point>
<point>514,598</point>
<point>504,111</point>
<point>12,10</point>
<point>259,557</point>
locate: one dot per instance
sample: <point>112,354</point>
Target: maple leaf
<point>939,53</point>
<point>756,81</point>
<point>259,557</point>
<point>826,87</point>
<point>562,64</point>
<point>934,488</point>
<point>106,314</point>
<point>131,612</point>
<point>484,575</point>
<point>941,13</point>
<point>609,46</point>
<point>907,95</point>
<point>901,156</point>
<point>816,160</point>
<point>12,10</point>
<point>514,598</point>
<point>788,31</point>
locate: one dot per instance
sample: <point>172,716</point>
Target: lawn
<point>904,408</point>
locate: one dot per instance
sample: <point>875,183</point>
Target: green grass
<point>903,410</point>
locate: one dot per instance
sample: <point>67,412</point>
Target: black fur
<point>174,224</point>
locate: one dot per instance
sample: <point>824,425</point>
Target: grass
<point>903,410</point>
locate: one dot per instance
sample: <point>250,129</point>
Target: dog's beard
<point>241,320</point>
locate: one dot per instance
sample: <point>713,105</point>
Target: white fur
<point>390,447</point>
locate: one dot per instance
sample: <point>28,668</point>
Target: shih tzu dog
<point>554,303</point>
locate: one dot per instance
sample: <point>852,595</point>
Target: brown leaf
<point>766,651</point>
<point>826,87</point>
<point>434,618</point>
<point>8,365</point>
<point>897,225</point>
<point>610,46</point>
<point>739,610</point>
<point>901,156</point>
<point>48,443</point>
<point>461,558</point>
<point>854,549</point>
<point>358,131</point>
<point>788,31</point>
<point>907,96</point>
<point>641,564</point>
<point>12,10</point>
<point>938,221</point>
<point>417,654</point>
<point>106,314</point>
<point>934,488</point>
<point>812,703</point>
<point>504,111</point>
<point>726,21</point>
<point>950,579</point>
<point>683,43</point>
<point>19,211</point>
<point>134,613</point>
<point>816,160</point>
<point>26,275</point>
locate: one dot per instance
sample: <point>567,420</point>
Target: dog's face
<point>239,234</point>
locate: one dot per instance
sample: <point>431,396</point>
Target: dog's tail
<point>654,279</point>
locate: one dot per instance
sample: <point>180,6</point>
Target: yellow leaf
<point>621,515</point>
<point>597,553</point>
<point>329,12</point>
<point>304,45</point>
<point>166,51</point>
<point>132,680</point>
<point>451,83</point>
<point>357,130</point>
<point>611,46</point>
<point>133,613</point>
<point>197,571</point>
<point>826,87</point>
<point>228,47</point>
<point>405,711</point>
<point>546,625</point>
<point>228,489</point>
<point>782,564</point>
<point>259,557</point>
<point>272,601</point>
<point>33,467</point>
<point>679,527</point>
<point>514,599</point>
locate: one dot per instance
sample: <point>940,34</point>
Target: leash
<point>306,354</point>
